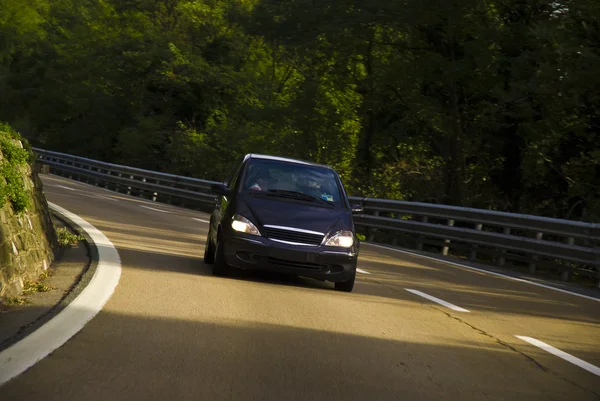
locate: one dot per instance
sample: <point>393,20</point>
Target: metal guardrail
<point>159,187</point>
<point>531,242</point>
<point>485,236</point>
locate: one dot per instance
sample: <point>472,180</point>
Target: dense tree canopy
<point>491,104</point>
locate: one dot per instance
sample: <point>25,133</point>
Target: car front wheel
<point>346,286</point>
<point>220,266</point>
<point>209,251</point>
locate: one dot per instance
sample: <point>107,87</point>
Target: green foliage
<point>13,301</point>
<point>13,169</point>
<point>490,104</point>
<point>66,238</point>
<point>30,287</point>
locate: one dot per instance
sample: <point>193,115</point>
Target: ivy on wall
<point>13,167</point>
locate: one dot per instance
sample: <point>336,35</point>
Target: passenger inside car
<point>316,184</point>
<point>259,180</point>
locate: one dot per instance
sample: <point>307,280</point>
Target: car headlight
<point>343,239</point>
<point>243,225</point>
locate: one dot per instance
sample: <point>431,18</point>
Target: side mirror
<point>220,189</point>
<point>356,209</point>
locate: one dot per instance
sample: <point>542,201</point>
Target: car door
<point>224,201</point>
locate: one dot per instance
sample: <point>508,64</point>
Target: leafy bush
<point>14,160</point>
<point>67,238</point>
<point>35,287</point>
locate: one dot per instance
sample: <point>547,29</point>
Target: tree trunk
<point>364,156</point>
<point>454,164</point>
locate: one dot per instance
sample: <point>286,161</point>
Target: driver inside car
<point>309,186</point>
<point>261,181</point>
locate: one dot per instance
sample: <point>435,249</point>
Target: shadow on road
<point>127,357</point>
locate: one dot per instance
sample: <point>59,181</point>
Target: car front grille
<point>296,265</point>
<point>291,235</point>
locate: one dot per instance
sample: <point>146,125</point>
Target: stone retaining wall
<point>27,240</point>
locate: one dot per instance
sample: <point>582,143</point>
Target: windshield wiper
<point>298,195</point>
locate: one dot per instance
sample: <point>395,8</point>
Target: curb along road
<point>53,334</point>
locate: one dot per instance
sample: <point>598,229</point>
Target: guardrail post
<point>373,230</point>
<point>565,275</point>
<point>129,188</point>
<point>446,247</point>
<point>597,262</point>
<point>502,259</point>
<point>421,237</point>
<point>395,233</point>
<point>473,253</point>
<point>534,258</point>
<point>78,176</point>
<point>169,198</point>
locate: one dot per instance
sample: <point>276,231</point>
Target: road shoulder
<point>63,281</point>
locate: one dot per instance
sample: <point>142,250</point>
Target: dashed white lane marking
<point>24,354</point>
<point>63,187</point>
<point>200,220</point>
<point>107,198</point>
<point>561,354</point>
<point>437,300</point>
<point>362,271</point>
<point>484,271</point>
<point>60,193</point>
<point>156,210</point>
<point>96,196</point>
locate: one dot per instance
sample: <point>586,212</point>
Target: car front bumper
<point>318,262</point>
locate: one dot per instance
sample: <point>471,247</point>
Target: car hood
<point>272,211</point>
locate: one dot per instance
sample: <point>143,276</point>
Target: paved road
<point>173,331</point>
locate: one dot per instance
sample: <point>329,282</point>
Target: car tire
<point>209,251</point>
<point>346,286</point>
<point>220,267</point>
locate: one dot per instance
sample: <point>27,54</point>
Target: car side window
<point>232,179</point>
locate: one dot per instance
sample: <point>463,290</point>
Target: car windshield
<point>293,180</point>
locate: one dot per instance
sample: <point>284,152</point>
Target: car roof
<point>285,159</point>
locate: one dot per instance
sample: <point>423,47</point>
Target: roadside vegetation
<point>29,288</point>
<point>12,301</point>
<point>15,156</point>
<point>489,104</point>
<point>66,238</point>
<point>36,286</point>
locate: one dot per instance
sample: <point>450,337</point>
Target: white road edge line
<point>437,300</point>
<point>95,196</point>
<point>362,271</point>
<point>561,354</point>
<point>484,271</point>
<point>59,178</point>
<point>120,195</point>
<point>200,220</point>
<point>156,210</point>
<point>62,186</point>
<point>58,330</point>
<point>107,198</point>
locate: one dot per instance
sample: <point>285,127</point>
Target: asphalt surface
<point>173,331</point>
<point>67,276</point>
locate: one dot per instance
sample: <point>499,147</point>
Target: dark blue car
<point>286,216</point>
